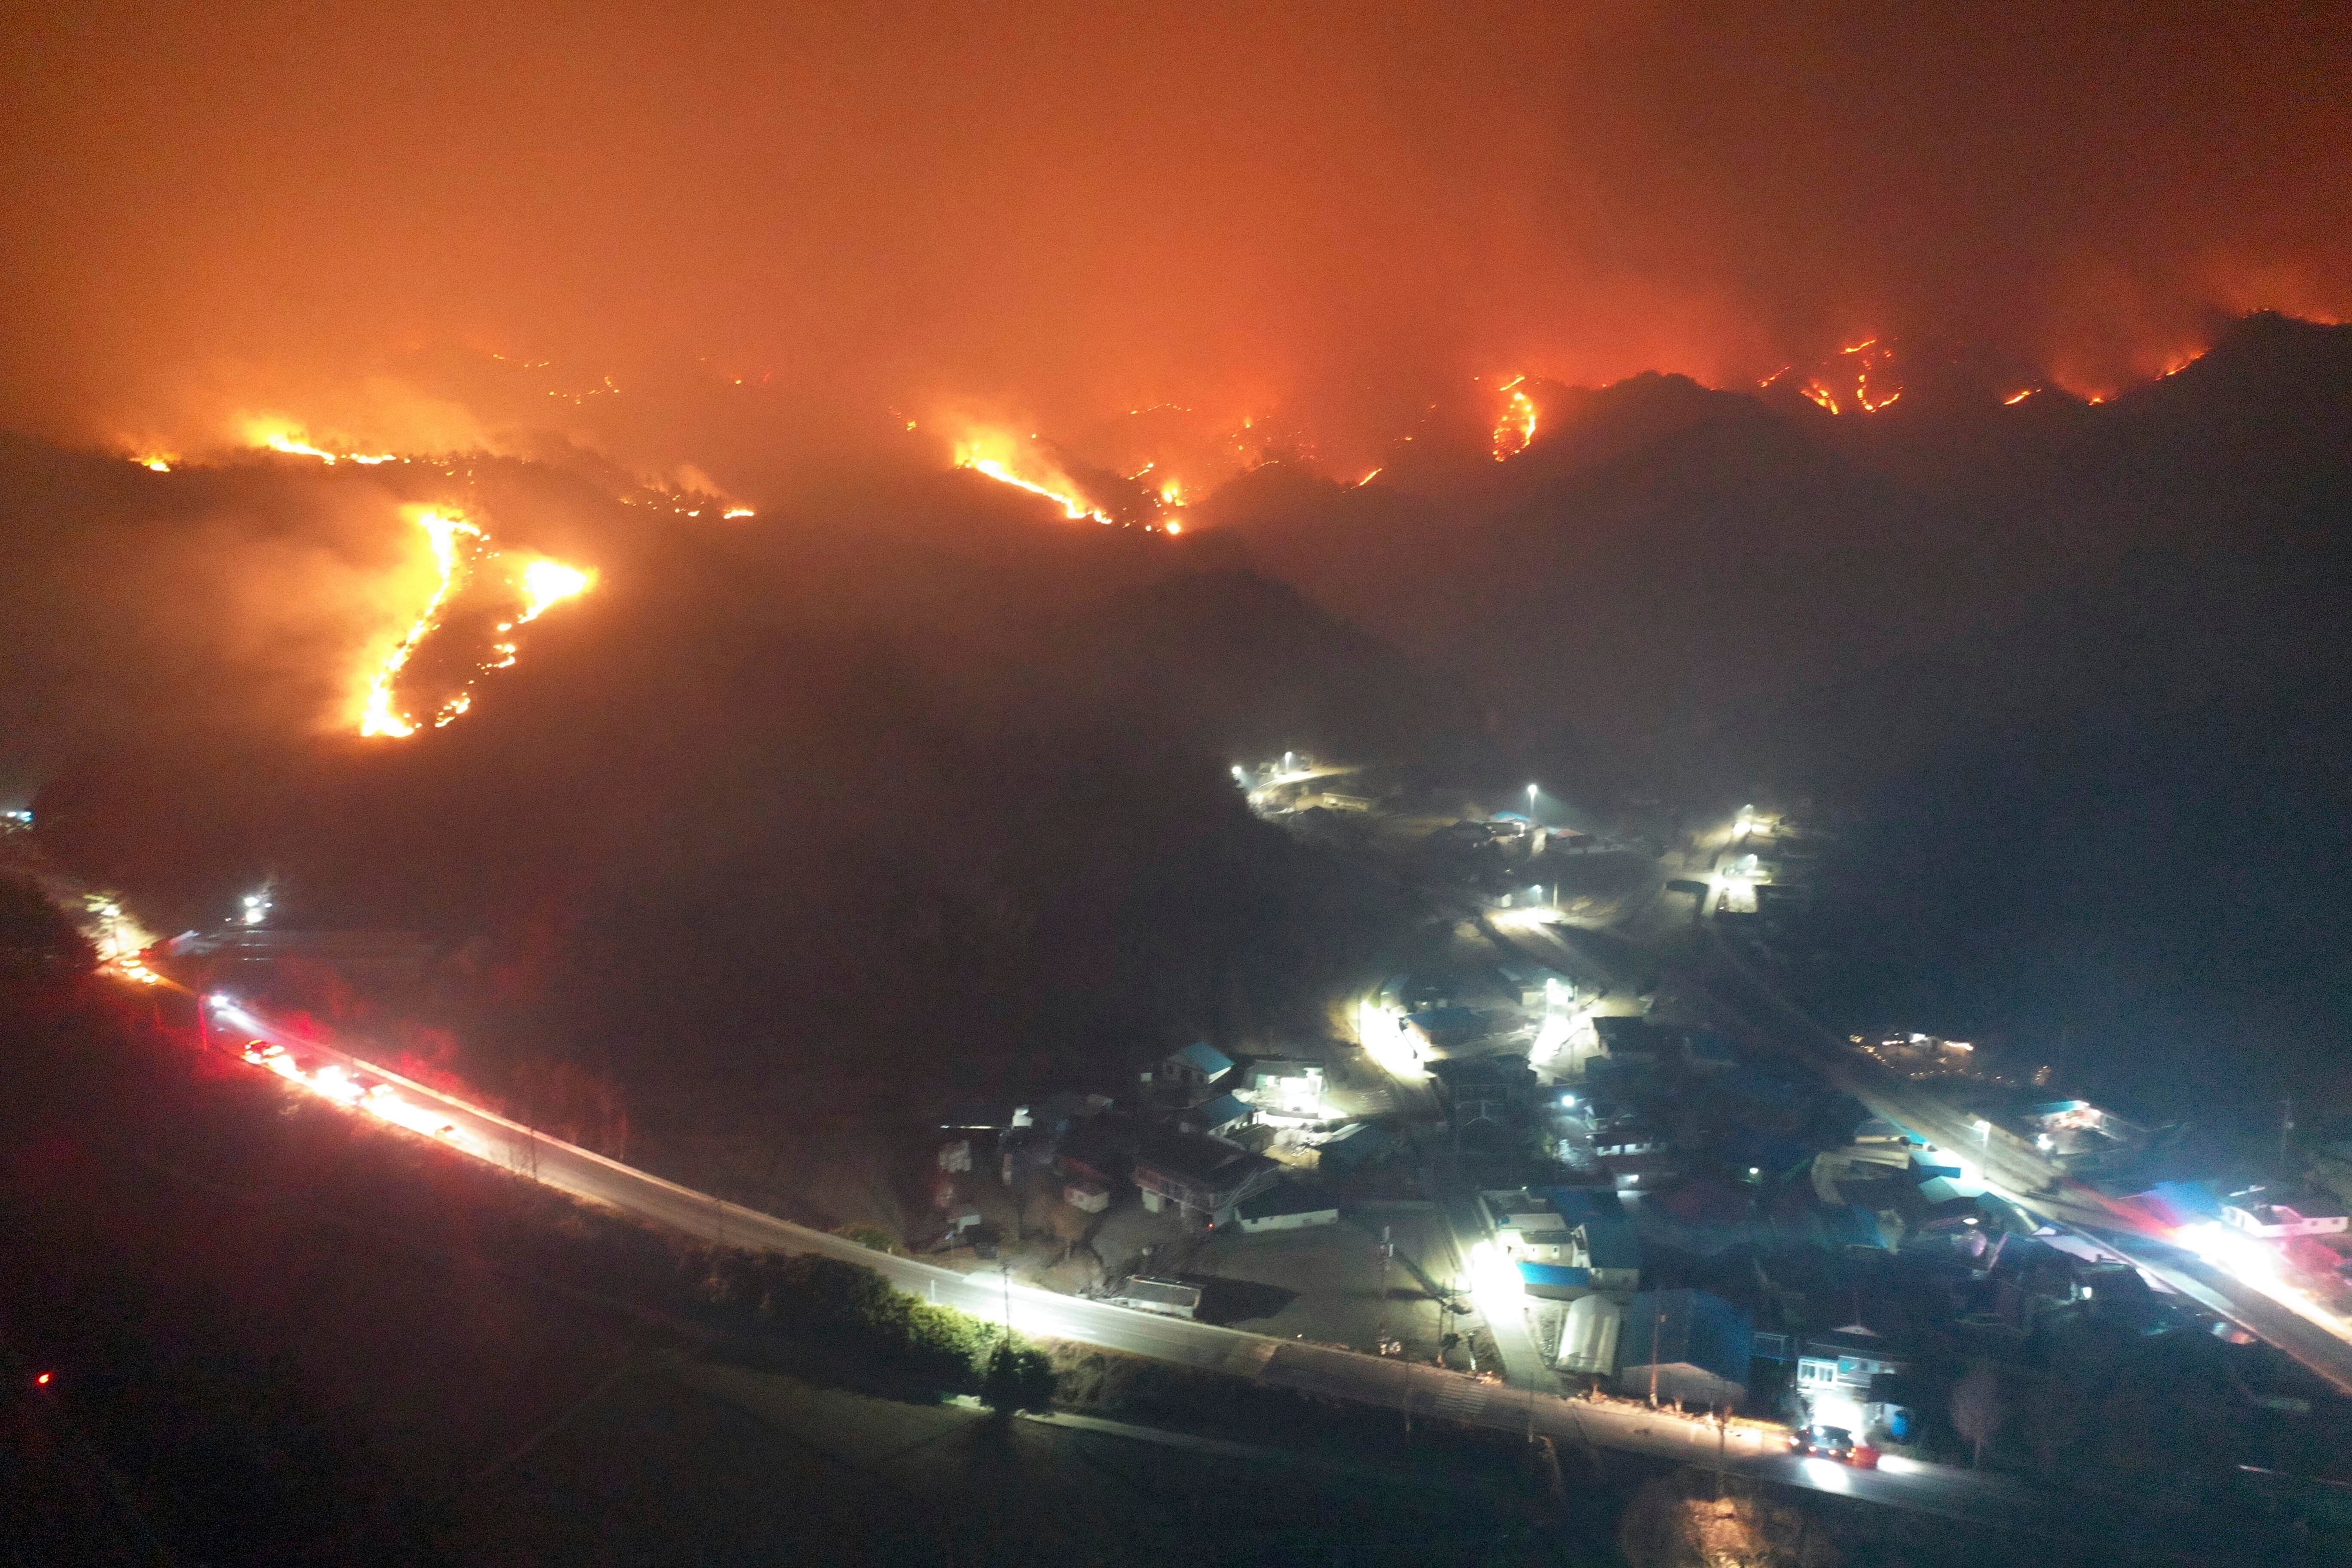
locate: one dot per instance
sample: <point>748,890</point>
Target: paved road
<point>2020,1174</point>
<point>1415,1390</point>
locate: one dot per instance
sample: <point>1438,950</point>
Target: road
<point>2020,1176</point>
<point>1413,1390</point>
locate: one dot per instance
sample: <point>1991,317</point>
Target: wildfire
<point>998,455</point>
<point>543,584</point>
<point>161,462</point>
<point>547,583</point>
<point>1830,391</point>
<point>2015,399</point>
<point>378,718</point>
<point>1517,428</point>
<point>277,435</point>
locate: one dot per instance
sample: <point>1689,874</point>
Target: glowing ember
<point>1848,382</point>
<point>1175,528</point>
<point>378,718</point>
<point>1517,428</point>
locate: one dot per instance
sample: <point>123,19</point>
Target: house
<point>1169,1297</point>
<point>2274,1222</point>
<point>1642,1172</point>
<point>1202,1176</point>
<point>1355,1146</point>
<point>1605,1244</point>
<point>1290,1089</point>
<point>1220,1118</point>
<point>1443,1029</point>
<point>1536,1237</point>
<point>1101,1150</point>
<point>1840,1377</point>
<point>1483,1089</point>
<point>1535,986</point>
<point>1288,1205</point>
<point>1588,1342</point>
<point>1087,1195</point>
<point>986,1116</point>
<point>1684,1347</point>
<point>2077,1137</point>
<point>1191,1070</point>
<point>1628,1040</point>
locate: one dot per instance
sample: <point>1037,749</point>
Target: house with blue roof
<point>1220,1118</point>
<point>1355,1146</point>
<point>1193,1068</point>
<point>1605,1244</point>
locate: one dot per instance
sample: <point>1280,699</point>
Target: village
<point>1534,1153</point>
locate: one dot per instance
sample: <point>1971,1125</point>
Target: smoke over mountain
<point>1071,210</point>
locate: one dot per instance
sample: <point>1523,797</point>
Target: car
<point>1823,1443</point>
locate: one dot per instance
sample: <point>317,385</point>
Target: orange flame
<point>282,436</point>
<point>547,583</point>
<point>543,584</point>
<point>2015,399</point>
<point>1517,428</point>
<point>999,454</point>
<point>378,718</point>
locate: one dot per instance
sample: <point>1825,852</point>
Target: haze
<point>1070,210</point>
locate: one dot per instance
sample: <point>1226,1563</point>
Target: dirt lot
<point>1324,1283</point>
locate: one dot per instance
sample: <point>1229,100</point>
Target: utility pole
<point>2286,1130</point>
<point>1657,1333</point>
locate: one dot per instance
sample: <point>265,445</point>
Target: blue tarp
<point>1555,1276</point>
<point>1689,1328</point>
<point>1611,1242</point>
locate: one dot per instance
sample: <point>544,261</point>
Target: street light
<point>1531,800</point>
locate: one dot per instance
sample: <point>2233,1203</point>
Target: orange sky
<point>1081,207</point>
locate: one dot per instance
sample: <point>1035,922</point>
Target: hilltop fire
<point>1000,457</point>
<point>542,584</point>
<point>1846,383</point>
<point>1516,430</point>
<point>279,436</point>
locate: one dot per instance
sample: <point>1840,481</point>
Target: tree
<point>1019,1377</point>
<point>1977,1406</point>
<point>39,946</point>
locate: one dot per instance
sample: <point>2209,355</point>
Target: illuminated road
<point>1415,1390</point>
<point>2018,1174</point>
